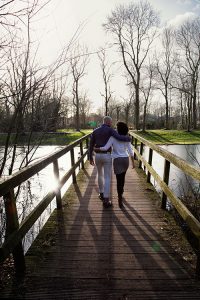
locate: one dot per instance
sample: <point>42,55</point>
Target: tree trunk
<point>126,115</point>
<point>167,116</point>
<point>137,108</point>
<point>144,117</point>
<point>182,112</point>
<point>106,108</point>
<point>166,109</point>
<point>77,119</point>
<point>194,111</point>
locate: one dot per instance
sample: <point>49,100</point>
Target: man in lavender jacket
<point>103,159</point>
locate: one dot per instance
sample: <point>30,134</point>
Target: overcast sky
<point>61,18</point>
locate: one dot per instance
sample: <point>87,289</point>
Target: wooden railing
<point>15,232</point>
<point>183,165</point>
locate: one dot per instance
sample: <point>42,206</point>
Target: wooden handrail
<point>13,240</point>
<point>16,179</point>
<point>183,165</point>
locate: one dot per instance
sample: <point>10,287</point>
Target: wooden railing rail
<point>15,232</point>
<point>183,165</point>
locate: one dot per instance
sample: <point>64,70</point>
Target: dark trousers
<point>120,183</point>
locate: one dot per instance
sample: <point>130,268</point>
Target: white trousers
<point>103,162</point>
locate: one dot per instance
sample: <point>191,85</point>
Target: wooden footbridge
<point>85,251</point>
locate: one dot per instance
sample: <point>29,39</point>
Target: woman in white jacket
<point>120,153</point>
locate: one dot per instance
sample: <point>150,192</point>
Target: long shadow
<point>81,262</point>
<point>166,258</point>
<point>62,269</point>
<point>92,235</point>
<point>151,230</point>
<point>106,265</point>
<point>196,134</point>
<point>157,137</point>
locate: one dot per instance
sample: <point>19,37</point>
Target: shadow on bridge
<point>98,253</point>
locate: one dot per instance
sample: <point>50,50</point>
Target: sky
<point>60,19</point>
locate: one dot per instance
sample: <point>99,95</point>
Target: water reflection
<point>180,183</point>
<point>34,189</point>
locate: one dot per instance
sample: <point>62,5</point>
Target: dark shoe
<point>101,197</point>
<point>107,202</point>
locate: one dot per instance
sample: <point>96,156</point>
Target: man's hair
<point>107,119</point>
<point>122,128</point>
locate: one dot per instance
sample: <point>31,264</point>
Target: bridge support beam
<point>72,164</point>
<point>166,180</point>
<point>150,163</point>
<point>12,224</point>
<point>57,178</point>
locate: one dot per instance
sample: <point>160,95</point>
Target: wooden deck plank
<point>95,253</point>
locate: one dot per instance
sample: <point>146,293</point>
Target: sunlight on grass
<point>171,136</point>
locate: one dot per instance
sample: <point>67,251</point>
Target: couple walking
<point>108,143</point>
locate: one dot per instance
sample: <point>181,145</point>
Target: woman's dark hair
<point>122,128</point>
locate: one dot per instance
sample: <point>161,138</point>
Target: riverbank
<point>171,136</point>
<point>61,137</point>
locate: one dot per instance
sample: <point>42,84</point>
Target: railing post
<point>57,177</point>
<point>72,164</point>
<point>150,163</point>
<point>81,152</point>
<point>132,138</point>
<point>166,180</point>
<point>12,224</point>
<point>87,146</point>
<point>141,151</point>
<point>135,145</point>
<point>198,261</point>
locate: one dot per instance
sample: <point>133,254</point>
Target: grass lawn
<point>171,136</point>
<point>62,137</point>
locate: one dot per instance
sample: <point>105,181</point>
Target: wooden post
<point>57,178</point>
<point>141,151</point>
<point>135,146</point>
<point>87,147</point>
<point>132,139</point>
<point>72,164</point>
<point>12,224</point>
<point>198,261</point>
<point>150,163</point>
<point>166,180</point>
<point>81,152</point>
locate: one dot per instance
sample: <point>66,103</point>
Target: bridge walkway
<point>88,252</point>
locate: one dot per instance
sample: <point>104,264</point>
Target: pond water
<point>181,184</point>
<point>34,189</point>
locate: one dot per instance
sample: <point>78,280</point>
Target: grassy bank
<point>62,137</point>
<point>171,136</point>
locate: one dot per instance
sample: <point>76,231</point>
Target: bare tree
<point>23,89</point>
<point>134,29</point>
<point>146,89</point>
<point>115,108</point>
<point>181,82</point>
<point>19,86</point>
<point>127,104</point>
<point>187,37</point>
<point>85,107</point>
<point>79,60</point>
<point>107,75</point>
<point>165,64</point>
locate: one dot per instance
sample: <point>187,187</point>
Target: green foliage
<point>171,136</point>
